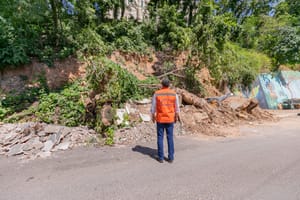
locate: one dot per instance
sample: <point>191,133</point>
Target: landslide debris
<point>206,111</point>
<point>33,139</point>
<point>197,117</point>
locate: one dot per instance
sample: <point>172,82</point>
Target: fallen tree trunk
<point>248,106</point>
<point>192,99</point>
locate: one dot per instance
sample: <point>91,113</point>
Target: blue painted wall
<point>272,89</point>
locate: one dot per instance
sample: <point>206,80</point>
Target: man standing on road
<point>165,111</point>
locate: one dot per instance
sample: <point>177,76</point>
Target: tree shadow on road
<point>146,151</point>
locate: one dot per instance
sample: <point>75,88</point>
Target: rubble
<point>143,101</point>
<point>145,117</point>
<point>36,139</point>
<point>197,116</point>
<point>120,116</point>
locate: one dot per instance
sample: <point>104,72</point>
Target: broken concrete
<point>39,139</point>
<point>15,150</point>
<point>120,116</point>
<point>145,117</point>
<point>143,101</point>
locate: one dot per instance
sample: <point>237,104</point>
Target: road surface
<point>261,164</point>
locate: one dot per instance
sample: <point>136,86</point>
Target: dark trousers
<point>161,127</point>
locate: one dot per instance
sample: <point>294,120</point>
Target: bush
<point>65,107</point>
<point>170,31</point>
<point>239,66</point>
<point>90,42</point>
<point>127,36</point>
<point>16,102</point>
<point>12,47</point>
<point>112,82</point>
<point>192,83</point>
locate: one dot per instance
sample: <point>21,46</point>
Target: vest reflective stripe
<point>165,105</point>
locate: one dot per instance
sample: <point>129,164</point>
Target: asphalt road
<point>263,163</point>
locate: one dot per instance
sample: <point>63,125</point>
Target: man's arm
<point>153,108</point>
<point>177,109</point>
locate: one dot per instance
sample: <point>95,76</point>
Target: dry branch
<point>169,73</point>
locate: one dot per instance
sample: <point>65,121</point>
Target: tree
<point>242,9</point>
<point>170,29</point>
<point>284,45</point>
<point>211,30</point>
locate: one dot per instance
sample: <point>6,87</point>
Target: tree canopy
<point>59,28</point>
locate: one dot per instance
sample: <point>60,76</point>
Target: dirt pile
<point>32,140</point>
<point>198,117</point>
<point>221,119</point>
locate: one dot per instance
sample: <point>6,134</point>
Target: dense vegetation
<point>58,28</point>
<point>234,39</point>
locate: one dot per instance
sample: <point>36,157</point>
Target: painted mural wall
<point>274,89</point>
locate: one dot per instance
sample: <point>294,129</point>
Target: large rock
<point>16,150</point>
<point>48,146</point>
<point>55,138</point>
<point>30,144</point>
<point>63,145</point>
<point>52,129</point>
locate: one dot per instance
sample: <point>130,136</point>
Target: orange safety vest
<point>165,105</point>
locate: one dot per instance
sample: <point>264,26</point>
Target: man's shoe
<point>169,161</point>
<point>160,160</point>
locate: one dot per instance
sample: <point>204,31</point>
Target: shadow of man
<point>146,151</point>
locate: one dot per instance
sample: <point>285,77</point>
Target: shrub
<point>112,82</point>
<point>238,65</point>
<point>170,31</point>
<point>12,47</point>
<point>88,41</point>
<point>64,107</point>
<point>16,102</point>
<point>127,36</point>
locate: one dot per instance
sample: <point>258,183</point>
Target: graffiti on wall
<point>272,90</point>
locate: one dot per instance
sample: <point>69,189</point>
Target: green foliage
<point>56,29</point>
<point>240,66</point>
<point>112,82</point>
<point>192,83</point>
<point>12,48</point>
<point>18,101</point>
<point>109,132</point>
<point>64,107</point>
<point>283,45</point>
<point>248,36</point>
<point>147,92</point>
<point>127,36</point>
<point>90,43</point>
<point>242,9</point>
<point>169,29</point>
<point>115,85</point>
<point>211,32</point>
<point>15,102</point>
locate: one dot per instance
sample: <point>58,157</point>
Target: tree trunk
<point>55,19</point>
<point>192,99</point>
